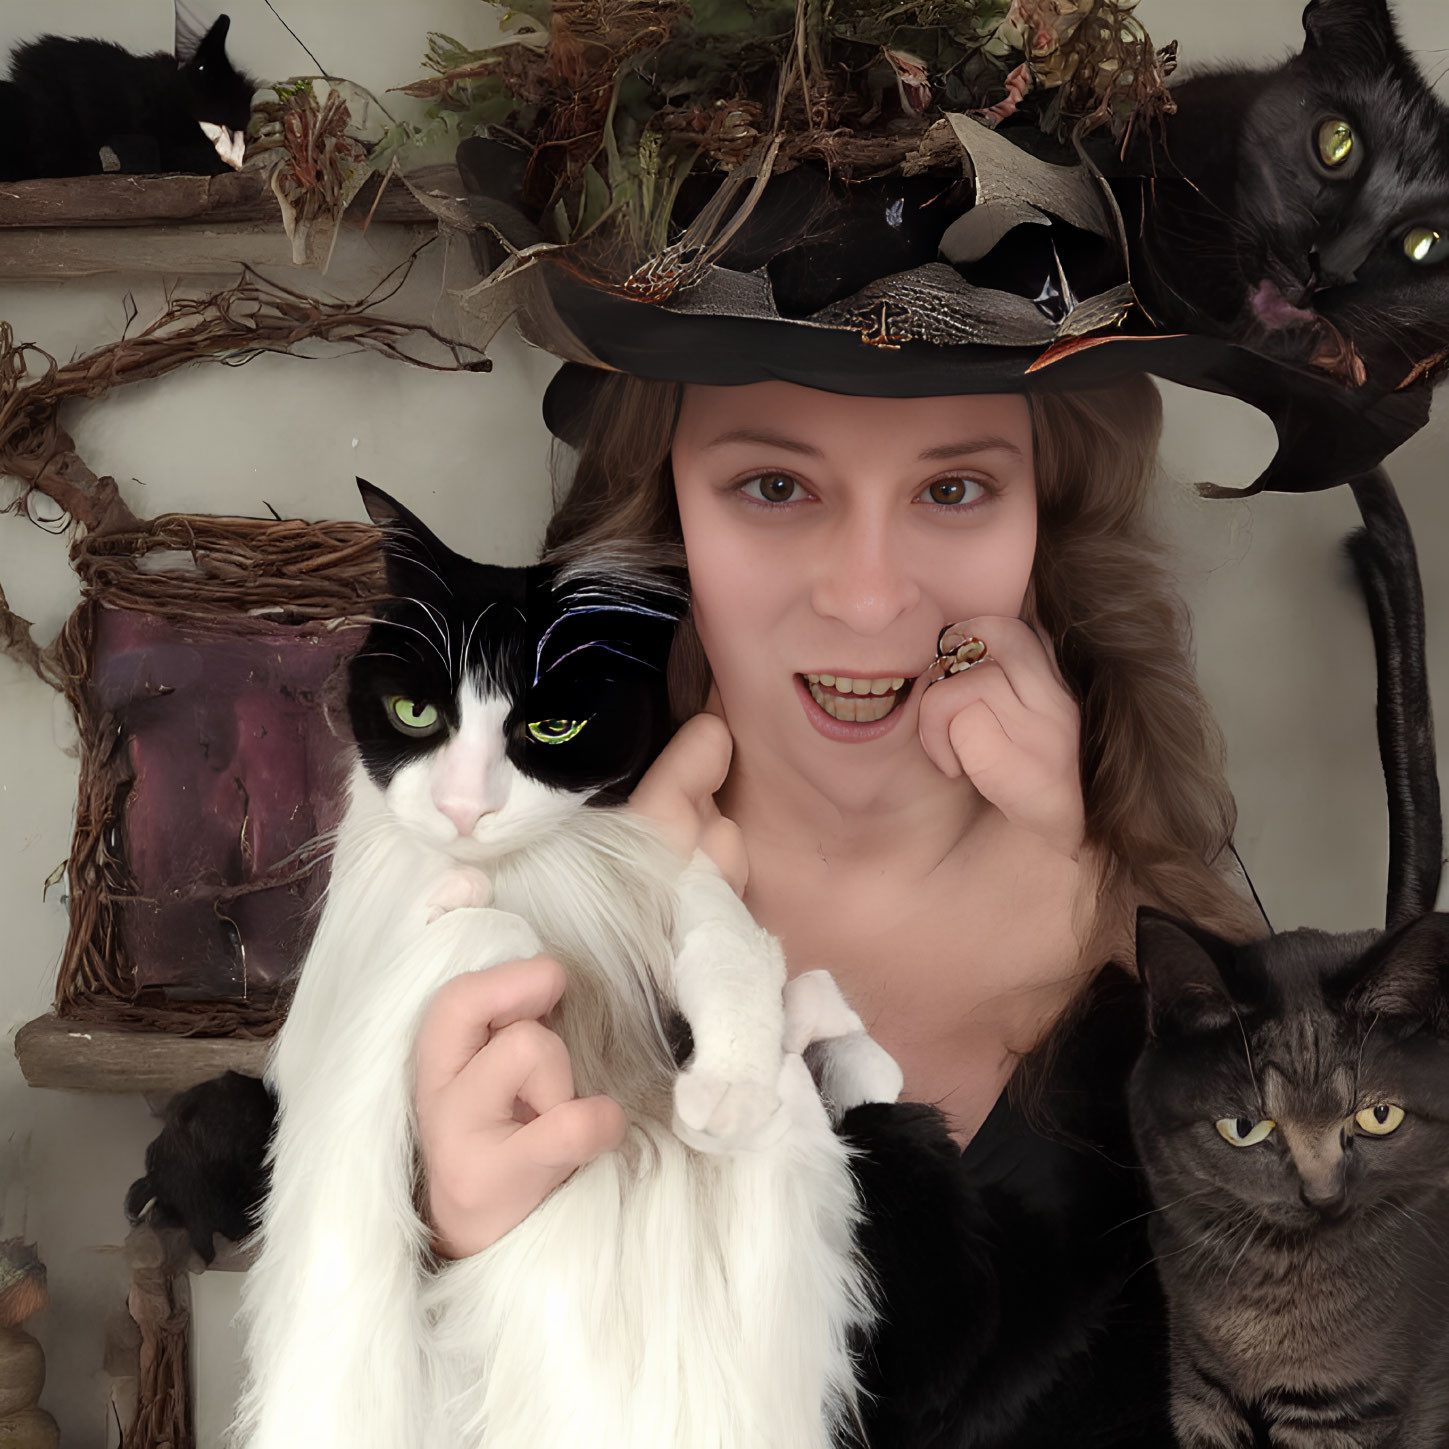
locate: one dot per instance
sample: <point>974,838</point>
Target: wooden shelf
<point>81,1056</point>
<point>156,200</point>
<point>85,226</point>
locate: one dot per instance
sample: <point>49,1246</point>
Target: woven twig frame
<point>249,575</point>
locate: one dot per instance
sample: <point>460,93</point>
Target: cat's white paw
<point>815,1009</point>
<point>849,1066</point>
<point>704,897</point>
<point>457,889</point>
<point>714,1114</point>
<point>853,1069</point>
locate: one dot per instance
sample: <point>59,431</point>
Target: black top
<point>1020,1305</point>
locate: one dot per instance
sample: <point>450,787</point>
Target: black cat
<point>78,107</point>
<point>1291,1109</point>
<point>1303,211</point>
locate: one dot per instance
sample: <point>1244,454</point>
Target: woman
<point>963,855</point>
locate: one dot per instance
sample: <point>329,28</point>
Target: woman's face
<point>829,541</point>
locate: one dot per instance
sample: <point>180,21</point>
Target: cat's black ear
<point>1360,32</point>
<point>1183,969</point>
<point>1405,976</point>
<point>195,41</point>
<point>413,556</point>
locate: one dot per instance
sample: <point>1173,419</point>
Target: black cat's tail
<point>1388,572</point>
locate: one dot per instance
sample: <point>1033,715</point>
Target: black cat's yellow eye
<point>1379,1121</point>
<point>555,731</point>
<point>1426,246</point>
<point>1335,142</point>
<point>411,716</point>
<point>1244,1131</point>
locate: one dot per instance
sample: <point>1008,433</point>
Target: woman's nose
<point>863,575</point>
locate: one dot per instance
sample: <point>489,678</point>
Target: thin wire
<point>321,69</point>
<point>1257,900</point>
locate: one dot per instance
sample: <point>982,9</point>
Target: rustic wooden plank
<point>239,196</point>
<point>79,1056</point>
<point>218,250</point>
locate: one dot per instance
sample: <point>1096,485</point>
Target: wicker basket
<point>205,665</point>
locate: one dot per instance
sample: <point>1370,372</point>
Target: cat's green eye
<point>1335,143</point>
<point>1426,246</point>
<point>1379,1121</point>
<point>1244,1131</point>
<point>411,716</point>
<point>555,731</point>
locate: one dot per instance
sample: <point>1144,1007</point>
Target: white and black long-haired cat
<point>665,1295</point>
<point>1303,210</point>
<point>1291,1109</point>
<point>69,101</point>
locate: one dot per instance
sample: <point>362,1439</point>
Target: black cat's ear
<point>414,558</point>
<point>1183,969</point>
<point>1405,976</point>
<point>195,40</point>
<point>1360,31</point>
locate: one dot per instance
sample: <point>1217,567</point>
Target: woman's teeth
<point>854,701</point>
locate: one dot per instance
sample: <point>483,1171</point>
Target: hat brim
<point>1326,432</point>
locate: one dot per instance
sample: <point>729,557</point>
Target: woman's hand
<point>677,794</point>
<point>498,1121</point>
<point>1010,725</point>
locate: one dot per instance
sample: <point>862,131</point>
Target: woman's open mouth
<point>856,701</point>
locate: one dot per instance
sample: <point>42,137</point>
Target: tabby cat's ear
<point>1405,977</point>
<point>1183,968</point>
<point>413,556</point>
<point>1360,33</point>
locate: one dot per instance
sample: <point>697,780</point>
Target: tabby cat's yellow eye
<point>1335,142</point>
<point>555,731</point>
<point>1379,1121</point>
<point>1244,1131</point>
<point>411,716</point>
<point>1426,246</point>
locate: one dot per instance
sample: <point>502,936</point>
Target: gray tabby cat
<point>1291,1109</point>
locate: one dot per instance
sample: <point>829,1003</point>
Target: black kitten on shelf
<point>76,107</point>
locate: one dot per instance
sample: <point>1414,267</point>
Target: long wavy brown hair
<point>1158,807</point>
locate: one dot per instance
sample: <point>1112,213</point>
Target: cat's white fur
<point>669,1295</point>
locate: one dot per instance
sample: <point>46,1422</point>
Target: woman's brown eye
<point>947,490</point>
<point>775,487</point>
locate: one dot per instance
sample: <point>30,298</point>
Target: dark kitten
<point>205,1172</point>
<point>1303,210</point>
<point>68,100</point>
<point>1291,1110</point>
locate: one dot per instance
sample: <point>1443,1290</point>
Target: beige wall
<point>1284,652</point>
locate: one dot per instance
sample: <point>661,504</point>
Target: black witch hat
<point>937,197</point>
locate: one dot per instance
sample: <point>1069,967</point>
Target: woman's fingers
<point>567,1136</point>
<point>677,794</point>
<point>677,791</point>
<point>467,1010</point>
<point>1025,659</point>
<point>498,1123</point>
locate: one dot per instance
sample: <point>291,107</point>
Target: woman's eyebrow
<point>927,455</point>
<point>971,445</point>
<point>768,440</point>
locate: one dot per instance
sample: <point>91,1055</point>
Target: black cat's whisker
<point>472,628</point>
<point>440,620</point>
<point>399,546</point>
<point>426,638</point>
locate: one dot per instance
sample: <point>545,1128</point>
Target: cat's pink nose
<point>465,814</point>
